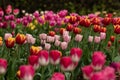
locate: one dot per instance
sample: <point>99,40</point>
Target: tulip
<point>11,17</point>
<point>52,23</point>
<point>103,29</point>
<point>33,60</point>
<point>66,64</point>
<point>58,76</point>
<point>106,20</point>
<point>34,50</point>
<point>9,9</point>
<point>87,22</point>
<point>62,13</point>
<point>10,42</point>
<point>87,72</point>
<point>62,30</point>
<point>55,56</point>
<point>20,38</point>
<point>3,66</point>
<point>57,37</point>
<point>64,45</point>
<point>43,36</point>
<point>117,29</point>
<point>1,13</point>
<point>66,38</point>
<point>30,39</point>
<point>65,33</point>
<point>43,57</point>
<point>36,14</point>
<point>50,39</point>
<point>16,11</point>
<point>97,39</point>
<point>95,21</point>
<point>77,30</point>
<point>98,60</point>
<point>109,43</point>
<point>72,19</point>
<point>26,72</point>
<point>5,25</point>
<point>102,36</point>
<point>90,39</point>
<point>78,38</point>
<point>12,24</point>
<point>116,66</point>
<point>47,46</point>
<point>7,35</point>
<point>57,43</point>
<point>112,38</point>
<point>69,27</point>
<point>76,54</point>
<point>51,33</point>
<point>96,28</point>
<point>42,42</point>
<point>1,42</point>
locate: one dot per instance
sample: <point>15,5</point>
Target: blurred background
<point>79,6</point>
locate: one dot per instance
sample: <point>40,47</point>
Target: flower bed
<point>59,46</point>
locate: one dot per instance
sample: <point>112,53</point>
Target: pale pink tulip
<point>90,39</point>
<point>64,45</point>
<point>47,46</point>
<point>97,39</point>
<point>7,35</point>
<point>78,37</point>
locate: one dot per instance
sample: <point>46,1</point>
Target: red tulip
<point>112,38</point>
<point>3,66</point>
<point>55,56</point>
<point>109,43</point>
<point>77,30</point>
<point>62,30</point>
<point>117,29</point>
<point>20,38</point>
<point>76,54</point>
<point>10,42</point>
<point>95,21</point>
<point>96,28</point>
<point>87,22</point>
<point>98,60</point>
<point>34,50</point>
<point>26,72</point>
<point>43,57</point>
<point>69,27</point>
<point>51,33</point>
<point>72,19</point>
<point>103,29</point>
<point>107,20</point>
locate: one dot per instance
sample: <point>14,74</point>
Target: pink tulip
<point>3,66</point>
<point>55,56</point>
<point>66,38</point>
<point>7,35</point>
<point>109,72</point>
<point>43,36</point>
<point>98,60</point>
<point>58,76</point>
<point>87,72</point>
<point>57,37</point>
<point>57,43</point>
<point>65,32</point>
<point>1,13</point>
<point>26,72</point>
<point>90,39</point>
<point>16,11</point>
<point>98,76</point>
<point>116,66</point>
<point>97,39</point>
<point>66,64</point>
<point>36,14</point>
<point>47,46</point>
<point>30,39</point>
<point>102,36</point>
<point>43,57</point>
<point>12,24</point>
<point>33,60</point>
<point>64,45</point>
<point>50,39</point>
<point>76,54</point>
<point>9,9</point>
<point>78,37</point>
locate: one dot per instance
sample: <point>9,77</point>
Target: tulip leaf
<point>117,59</point>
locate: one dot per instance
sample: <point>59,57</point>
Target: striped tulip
<point>10,42</point>
<point>20,38</point>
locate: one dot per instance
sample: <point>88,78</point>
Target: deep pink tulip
<point>55,56</point>
<point>87,72</point>
<point>43,57</point>
<point>26,72</point>
<point>36,14</point>
<point>12,24</point>
<point>98,60</point>
<point>3,66</point>
<point>76,54</point>
<point>1,13</point>
<point>58,76</point>
<point>33,60</point>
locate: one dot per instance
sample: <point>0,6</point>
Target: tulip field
<point>59,46</point>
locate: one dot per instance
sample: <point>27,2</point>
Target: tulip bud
<point>57,43</point>
<point>47,46</point>
<point>51,33</point>
<point>64,45</point>
<point>26,72</point>
<point>112,38</point>
<point>87,72</point>
<point>97,39</point>
<point>102,35</point>
<point>33,60</point>
<point>55,56</point>
<point>109,43</point>
<point>76,54</point>
<point>3,66</point>
<point>90,39</point>
<point>98,60</point>
<point>20,38</point>
<point>58,76</point>
<point>43,57</point>
<point>10,42</point>
<point>16,11</point>
<point>77,30</point>
<point>78,37</point>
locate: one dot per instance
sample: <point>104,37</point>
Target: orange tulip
<point>20,38</point>
<point>1,42</point>
<point>10,42</point>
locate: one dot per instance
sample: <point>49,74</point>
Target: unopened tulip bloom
<point>87,72</point>
<point>20,38</point>
<point>47,46</point>
<point>34,50</point>
<point>66,38</point>
<point>98,60</point>
<point>7,35</point>
<point>50,39</point>
<point>57,37</point>
<point>112,38</point>
<point>43,36</point>
<point>77,30</point>
<point>102,36</point>
<point>64,45</point>
<point>90,39</point>
<point>55,56</point>
<point>12,24</point>
<point>16,11</point>
<point>57,43</point>
<point>10,42</point>
<point>66,64</point>
<point>30,39</point>
<point>58,76</point>
<point>42,42</point>
<point>43,57</point>
<point>51,33</point>
<point>26,72</point>
<point>3,66</point>
<point>33,60</point>
<point>78,37</point>
<point>76,54</point>
<point>97,39</point>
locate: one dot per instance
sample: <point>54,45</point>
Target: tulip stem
<point>72,75</point>
<point>42,74</point>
